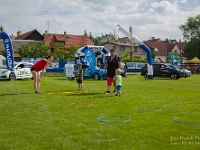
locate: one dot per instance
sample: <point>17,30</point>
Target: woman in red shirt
<point>39,66</point>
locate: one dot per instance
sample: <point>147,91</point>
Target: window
<point>135,49</point>
<point>122,48</point>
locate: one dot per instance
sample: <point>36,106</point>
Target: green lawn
<point>63,118</point>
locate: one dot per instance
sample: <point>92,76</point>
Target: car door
<point>156,69</point>
<point>87,71</point>
<point>27,70</point>
<point>19,71</point>
<point>164,70</point>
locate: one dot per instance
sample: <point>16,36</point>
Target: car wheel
<point>12,76</point>
<point>146,75</point>
<point>96,77</point>
<point>174,76</point>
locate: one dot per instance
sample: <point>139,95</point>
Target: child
<point>79,76</point>
<point>118,80</point>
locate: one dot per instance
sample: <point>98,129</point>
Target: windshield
<point>4,64</point>
<point>174,67</point>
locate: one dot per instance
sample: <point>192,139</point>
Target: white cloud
<point>147,17</point>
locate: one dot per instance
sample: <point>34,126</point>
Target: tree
<point>113,37</point>
<point>191,49</point>
<point>34,49</point>
<point>191,29</point>
<point>72,50</point>
<point>59,51</point>
<point>191,32</point>
<point>125,57</point>
<point>153,53</point>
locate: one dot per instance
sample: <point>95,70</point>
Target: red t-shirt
<point>40,65</point>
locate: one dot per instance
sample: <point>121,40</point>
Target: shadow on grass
<point>14,94</point>
<point>163,78</point>
<point>56,91</point>
<point>81,94</point>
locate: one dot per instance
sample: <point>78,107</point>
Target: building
<point>47,38</point>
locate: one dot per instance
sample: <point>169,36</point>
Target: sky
<point>148,18</point>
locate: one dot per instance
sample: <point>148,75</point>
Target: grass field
<point>164,115</point>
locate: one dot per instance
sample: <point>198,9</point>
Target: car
<point>197,69</point>
<point>22,70</point>
<point>162,70</point>
<point>99,73</point>
<point>184,72</point>
<point>87,72</point>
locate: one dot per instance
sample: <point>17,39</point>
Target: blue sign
<point>9,51</point>
<point>90,59</point>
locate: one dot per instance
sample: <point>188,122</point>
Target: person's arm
<point>42,73</point>
<point>106,67</point>
<point>119,64</point>
<point>114,78</point>
<point>47,61</point>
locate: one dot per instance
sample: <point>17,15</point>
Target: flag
<point>9,51</point>
<point>172,56</point>
<point>90,59</point>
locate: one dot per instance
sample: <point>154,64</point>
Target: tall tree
<point>34,49</point>
<point>59,51</point>
<point>72,50</point>
<point>191,29</point>
<point>113,37</point>
<point>191,32</point>
<point>191,49</point>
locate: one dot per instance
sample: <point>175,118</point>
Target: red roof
<point>78,40</point>
<point>27,34</point>
<point>124,40</point>
<point>162,47</point>
<point>23,36</point>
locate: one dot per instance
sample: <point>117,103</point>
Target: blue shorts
<point>118,87</point>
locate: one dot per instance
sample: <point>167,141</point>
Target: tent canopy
<point>195,60</point>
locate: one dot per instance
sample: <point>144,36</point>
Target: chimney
<point>65,34</point>
<point>18,33</point>
<point>46,33</point>
<point>130,30</point>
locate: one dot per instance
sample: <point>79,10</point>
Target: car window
<point>4,64</point>
<point>28,65</point>
<point>20,66</point>
<point>162,66</point>
<point>156,65</point>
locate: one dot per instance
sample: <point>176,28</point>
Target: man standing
<point>112,64</point>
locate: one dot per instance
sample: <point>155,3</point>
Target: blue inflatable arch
<point>144,47</point>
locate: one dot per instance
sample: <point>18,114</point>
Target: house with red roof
<point>49,39</point>
<point>163,48</point>
<point>67,39</point>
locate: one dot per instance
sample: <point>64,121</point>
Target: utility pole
<point>48,25</point>
<point>180,53</point>
<point>131,51</point>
